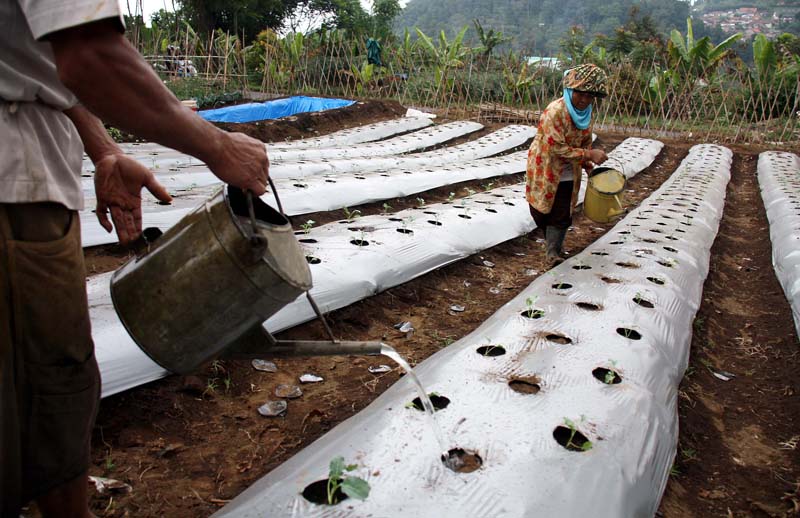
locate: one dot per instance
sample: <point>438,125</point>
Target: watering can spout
<point>259,343</point>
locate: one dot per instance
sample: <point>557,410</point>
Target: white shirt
<point>40,158</point>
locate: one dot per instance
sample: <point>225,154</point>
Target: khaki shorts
<point>49,381</point>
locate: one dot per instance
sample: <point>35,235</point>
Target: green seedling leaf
<point>336,468</point>
<point>350,467</point>
<point>587,446</point>
<point>355,487</point>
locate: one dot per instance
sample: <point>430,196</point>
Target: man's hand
<point>118,182</point>
<point>241,161</point>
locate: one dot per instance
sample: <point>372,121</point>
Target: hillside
<point>537,25</point>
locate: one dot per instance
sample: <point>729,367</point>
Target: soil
<point>189,444</point>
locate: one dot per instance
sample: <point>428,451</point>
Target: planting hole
<point>610,280</point>
<point>629,333</point>
<point>571,439</point>
<point>310,259</point>
<point>670,249</point>
<point>428,212</point>
<point>330,181</point>
<point>491,210</point>
<point>432,222</point>
<point>588,306</point>
<point>581,267</point>
<point>464,216</point>
<point>359,242</point>
<point>599,253</point>
<point>627,265</point>
<point>561,286</point>
<point>491,350</point>
<point>439,402</point>
<point>317,493</point>
<point>665,264</point>
<point>308,240</point>
<point>525,385</point>
<point>462,461</point>
<point>559,339</point>
<point>405,231</point>
<point>395,219</point>
<point>643,302</point>
<point>533,313</point>
<point>607,376</point>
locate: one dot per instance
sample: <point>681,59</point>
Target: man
<point>63,64</point>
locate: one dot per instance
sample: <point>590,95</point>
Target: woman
<point>561,147</point>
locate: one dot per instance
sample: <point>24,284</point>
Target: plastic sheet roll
<point>163,159</point>
<point>427,137</point>
<point>779,178</point>
<point>604,339</point>
<point>410,175</point>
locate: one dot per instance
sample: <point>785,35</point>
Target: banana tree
<point>446,55</point>
<point>765,57</point>
<point>695,59</point>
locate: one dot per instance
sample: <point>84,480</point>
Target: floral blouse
<point>557,141</point>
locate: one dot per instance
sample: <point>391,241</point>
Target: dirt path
<point>738,452</point>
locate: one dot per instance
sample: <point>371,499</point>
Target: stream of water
<point>389,351</point>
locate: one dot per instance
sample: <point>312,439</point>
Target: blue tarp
<point>273,109</point>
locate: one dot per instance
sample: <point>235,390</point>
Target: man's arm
<point>118,179</point>
<point>98,64</point>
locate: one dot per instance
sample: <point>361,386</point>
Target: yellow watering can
<point>604,197</point>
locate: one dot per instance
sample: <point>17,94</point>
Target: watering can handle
<point>258,241</point>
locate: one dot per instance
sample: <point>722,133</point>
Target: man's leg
<point>70,499</point>
<point>57,381</point>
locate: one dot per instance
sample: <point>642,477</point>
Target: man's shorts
<point>49,381</point>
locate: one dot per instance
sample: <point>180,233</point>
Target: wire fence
<point>728,104</point>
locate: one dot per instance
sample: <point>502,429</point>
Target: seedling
<point>348,214</point>
<point>352,486</point>
<point>109,463</point>
<point>451,196</point>
<point>228,382</point>
<point>531,311</point>
<point>608,379</point>
<point>211,386</point>
<point>573,429</point>
<point>470,192</point>
<point>386,208</point>
<point>421,202</point>
<point>698,324</point>
<point>307,225</point>
<point>488,186</point>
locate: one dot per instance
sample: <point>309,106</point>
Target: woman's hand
<point>595,156</point>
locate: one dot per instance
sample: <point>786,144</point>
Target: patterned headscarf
<point>587,78</point>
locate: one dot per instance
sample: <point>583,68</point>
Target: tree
<point>383,14</point>
<point>489,39</point>
<point>697,58</point>
<point>241,17</point>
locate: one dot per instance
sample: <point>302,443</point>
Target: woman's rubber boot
<point>562,234</point>
<point>554,237</point>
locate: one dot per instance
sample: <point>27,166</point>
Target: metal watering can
<point>604,196</point>
<point>204,287</point>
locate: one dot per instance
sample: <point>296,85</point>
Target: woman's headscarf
<point>584,78</point>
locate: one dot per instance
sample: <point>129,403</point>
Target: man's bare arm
<point>113,81</point>
<point>118,179</point>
